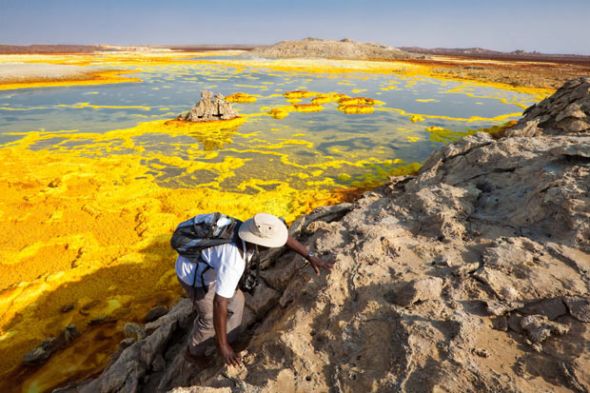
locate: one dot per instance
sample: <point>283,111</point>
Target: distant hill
<point>30,49</point>
<point>331,49</point>
<point>483,53</point>
<point>209,47</point>
<point>451,51</point>
<point>69,49</point>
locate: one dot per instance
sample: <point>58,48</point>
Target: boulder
<point>539,328</point>
<point>579,307</point>
<point>209,108</point>
<point>419,291</point>
<point>550,308</point>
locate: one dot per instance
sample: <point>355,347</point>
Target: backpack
<point>209,230</point>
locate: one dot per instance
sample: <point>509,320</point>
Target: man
<point>213,285</point>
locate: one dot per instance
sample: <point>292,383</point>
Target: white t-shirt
<point>227,267</point>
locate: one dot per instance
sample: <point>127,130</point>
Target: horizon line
<point>532,52</point>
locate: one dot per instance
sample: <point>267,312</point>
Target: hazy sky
<point>558,26</point>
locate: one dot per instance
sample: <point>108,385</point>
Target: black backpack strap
<point>198,260</point>
<point>205,287</point>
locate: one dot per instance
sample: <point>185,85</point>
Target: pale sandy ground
<point>13,72</point>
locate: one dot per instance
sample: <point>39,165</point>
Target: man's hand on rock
<point>229,356</point>
<point>318,263</point>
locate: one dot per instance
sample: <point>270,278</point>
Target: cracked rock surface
<point>472,276</point>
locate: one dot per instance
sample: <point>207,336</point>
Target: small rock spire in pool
<point>209,108</point>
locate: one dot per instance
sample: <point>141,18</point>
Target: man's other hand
<point>229,356</point>
<point>317,264</point>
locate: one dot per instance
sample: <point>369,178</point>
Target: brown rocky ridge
<point>473,276</point>
<point>331,49</point>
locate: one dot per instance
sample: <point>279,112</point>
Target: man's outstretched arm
<point>220,323</point>
<point>315,262</point>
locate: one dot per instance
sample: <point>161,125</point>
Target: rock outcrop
<point>209,108</point>
<point>330,49</point>
<point>473,275</point>
<point>567,112</point>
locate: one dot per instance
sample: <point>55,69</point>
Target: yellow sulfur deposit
<point>308,107</point>
<point>325,98</point>
<point>280,112</point>
<point>181,126</point>
<point>356,109</point>
<point>497,130</point>
<point>356,101</point>
<point>299,94</point>
<point>321,99</point>
<point>444,135</point>
<point>416,117</point>
<point>83,105</point>
<point>90,227</point>
<point>357,105</point>
<point>426,100</point>
<point>90,233</point>
<point>241,98</point>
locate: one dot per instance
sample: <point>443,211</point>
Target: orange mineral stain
<point>87,79</point>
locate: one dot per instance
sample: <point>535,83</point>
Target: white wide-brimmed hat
<point>265,230</point>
